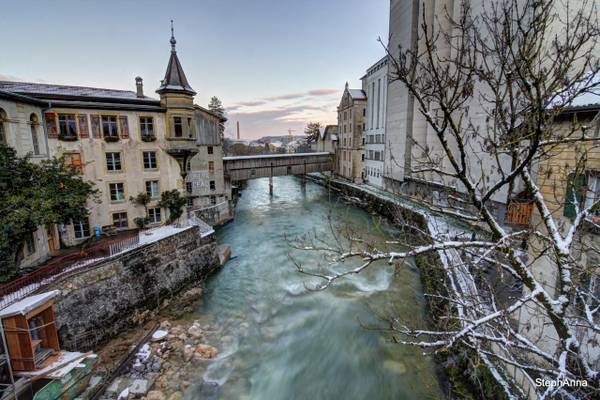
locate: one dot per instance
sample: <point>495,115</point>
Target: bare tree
<point>494,84</point>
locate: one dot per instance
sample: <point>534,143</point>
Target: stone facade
<point>351,115</point>
<point>123,141</point>
<point>21,128</point>
<point>375,85</point>
<point>99,303</point>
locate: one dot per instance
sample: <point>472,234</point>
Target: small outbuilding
<point>30,329</point>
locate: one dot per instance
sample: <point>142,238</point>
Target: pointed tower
<point>177,96</point>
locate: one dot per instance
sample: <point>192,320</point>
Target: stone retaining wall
<point>99,303</point>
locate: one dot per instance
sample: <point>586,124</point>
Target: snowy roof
<point>44,89</point>
<point>27,304</point>
<point>233,158</point>
<point>357,94</point>
<point>590,99</point>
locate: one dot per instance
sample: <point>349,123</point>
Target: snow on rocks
<point>164,367</point>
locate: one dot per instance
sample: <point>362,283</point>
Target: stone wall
<point>99,303</point>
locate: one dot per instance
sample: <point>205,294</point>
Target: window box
<point>148,138</point>
<point>111,139</point>
<point>67,138</point>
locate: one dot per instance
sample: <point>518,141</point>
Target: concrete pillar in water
<point>271,181</point>
<point>304,176</point>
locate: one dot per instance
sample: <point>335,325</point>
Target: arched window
<point>3,127</point>
<point>33,121</point>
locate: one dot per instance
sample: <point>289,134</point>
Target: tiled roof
<point>44,90</point>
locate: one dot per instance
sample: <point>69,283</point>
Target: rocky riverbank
<point>167,364</point>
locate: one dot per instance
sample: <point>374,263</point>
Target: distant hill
<point>285,139</point>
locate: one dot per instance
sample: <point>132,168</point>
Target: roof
<point>357,94</point>
<point>21,98</point>
<point>175,80</point>
<point>283,155</point>
<point>27,304</point>
<point>45,90</point>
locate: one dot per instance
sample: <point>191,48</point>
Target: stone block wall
<point>97,304</point>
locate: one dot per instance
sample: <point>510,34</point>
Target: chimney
<point>238,130</point>
<point>139,87</point>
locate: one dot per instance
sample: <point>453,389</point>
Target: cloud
<point>288,96</point>
<point>251,103</point>
<point>322,92</point>
<point>13,78</point>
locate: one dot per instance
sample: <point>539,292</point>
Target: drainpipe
<point>10,370</point>
<point>44,127</point>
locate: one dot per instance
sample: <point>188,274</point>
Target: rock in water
<point>155,395</point>
<point>206,351</point>
<point>159,335</point>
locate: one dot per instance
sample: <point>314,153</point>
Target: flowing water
<point>278,340</point>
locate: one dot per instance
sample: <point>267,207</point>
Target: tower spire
<point>173,41</point>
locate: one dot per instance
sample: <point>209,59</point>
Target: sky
<point>275,64</point>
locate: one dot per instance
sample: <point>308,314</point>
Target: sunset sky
<point>275,64</point>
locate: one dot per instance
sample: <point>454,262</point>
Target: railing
<point>76,261</point>
<point>519,212</point>
<point>123,245</point>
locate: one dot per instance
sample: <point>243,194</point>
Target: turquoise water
<point>278,340</point>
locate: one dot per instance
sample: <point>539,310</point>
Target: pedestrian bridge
<point>241,168</point>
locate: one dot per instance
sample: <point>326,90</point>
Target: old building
<point>351,117</point>
<point>568,176</point>
<point>375,84</point>
<point>21,128</point>
<point>327,140</point>
<point>125,142</point>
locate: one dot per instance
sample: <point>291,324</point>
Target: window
<point>3,117</point>
<point>576,192</point>
<point>81,229</point>
<point>67,127</point>
<point>120,220</point>
<point>33,120</point>
<point>211,166</point>
<point>213,200</point>
<point>30,244</point>
<point>378,100</point>
<point>212,185</point>
<point>109,127</point>
<point>178,126</point>
<point>149,159</point>
<point>345,115</point>
<point>362,157</point>
<point>593,192</point>
<point>210,150</point>
<point>188,187</point>
<point>113,161</point>
<point>152,189</point>
<point>364,112</point>
<point>72,160</point>
<point>190,126</point>
<point>117,191</point>
<point>154,215</point>
<point>190,201</point>
<point>147,127</point>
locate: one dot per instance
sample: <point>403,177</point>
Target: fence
<point>519,212</point>
<point>75,261</point>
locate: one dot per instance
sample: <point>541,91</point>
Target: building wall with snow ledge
<point>100,303</point>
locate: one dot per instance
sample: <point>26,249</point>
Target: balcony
<point>182,150</point>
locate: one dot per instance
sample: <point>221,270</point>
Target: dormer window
<point>178,127</point>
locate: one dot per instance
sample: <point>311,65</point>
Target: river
<point>278,340</point>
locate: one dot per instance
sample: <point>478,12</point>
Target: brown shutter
<point>84,131</point>
<point>51,127</point>
<point>95,126</point>
<point>124,127</point>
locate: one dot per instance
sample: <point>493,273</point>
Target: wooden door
<point>52,238</point>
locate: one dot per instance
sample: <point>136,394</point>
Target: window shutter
<point>576,188</point>
<point>124,127</point>
<point>51,127</point>
<point>84,131</point>
<point>95,126</point>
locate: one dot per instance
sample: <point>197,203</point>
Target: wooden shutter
<point>84,131</point>
<point>95,126</point>
<point>51,128</point>
<point>576,188</point>
<point>124,127</point>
